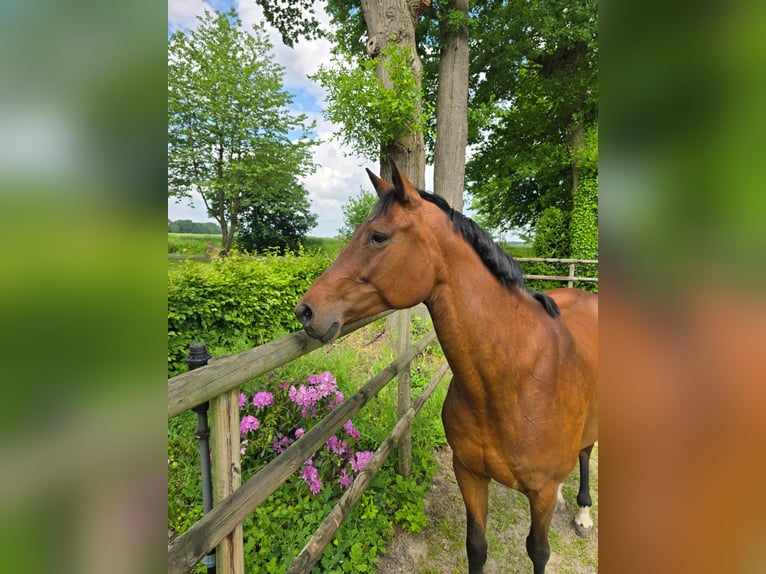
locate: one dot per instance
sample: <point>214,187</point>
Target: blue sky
<point>338,175</point>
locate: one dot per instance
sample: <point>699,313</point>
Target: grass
<point>192,243</point>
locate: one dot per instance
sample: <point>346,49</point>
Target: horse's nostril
<point>304,313</point>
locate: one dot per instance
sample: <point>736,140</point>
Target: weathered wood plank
<point>192,545</point>
<point>225,373</point>
<point>404,395</point>
<point>555,260</point>
<point>227,475</point>
<point>562,278</point>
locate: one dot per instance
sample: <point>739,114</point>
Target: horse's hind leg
<point>583,522</point>
<point>542,504</point>
<point>475,490</point>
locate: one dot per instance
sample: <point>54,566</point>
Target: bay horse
<point>521,406</point>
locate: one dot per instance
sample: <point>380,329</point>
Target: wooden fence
<point>571,278</point>
<point>219,382</point>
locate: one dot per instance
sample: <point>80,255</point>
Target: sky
<point>339,174</point>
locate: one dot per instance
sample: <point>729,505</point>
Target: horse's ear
<point>406,193</point>
<point>381,187</point>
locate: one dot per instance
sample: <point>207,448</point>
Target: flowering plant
<point>270,422</point>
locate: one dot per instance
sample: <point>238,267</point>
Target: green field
<point>191,243</point>
<point>195,243</point>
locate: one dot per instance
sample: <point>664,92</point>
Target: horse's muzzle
<point>305,314</point>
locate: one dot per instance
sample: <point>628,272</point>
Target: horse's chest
<point>499,441</point>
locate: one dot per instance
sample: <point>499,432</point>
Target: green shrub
<point>236,302</point>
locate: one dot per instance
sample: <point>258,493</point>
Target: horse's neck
<point>476,318</point>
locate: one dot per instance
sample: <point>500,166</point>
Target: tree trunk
<point>452,110</point>
<point>576,147</point>
<point>395,20</point>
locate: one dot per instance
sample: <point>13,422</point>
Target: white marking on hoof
<point>561,504</point>
<point>583,523</point>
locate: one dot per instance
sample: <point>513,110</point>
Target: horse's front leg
<point>475,490</point>
<point>542,504</point>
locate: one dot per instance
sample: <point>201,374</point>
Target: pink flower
<point>345,480</point>
<point>244,446</point>
<point>242,400</point>
<point>325,383</point>
<point>263,399</point>
<point>305,397</point>
<point>280,442</point>
<point>248,423</point>
<point>310,476</point>
<point>336,445</point>
<point>360,460</point>
<point>299,433</point>
<point>350,430</point>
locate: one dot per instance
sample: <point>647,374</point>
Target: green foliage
<point>184,480</point>
<point>294,19</point>
<point>189,226</point>
<point>457,19</point>
<point>584,222</point>
<point>229,131</point>
<point>278,218</point>
<point>552,234</point>
<point>235,302</point>
<point>367,112</point>
<point>356,210</point>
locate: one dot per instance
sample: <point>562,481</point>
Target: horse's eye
<point>377,238</point>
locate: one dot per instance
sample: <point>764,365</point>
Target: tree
<point>228,128</point>
<point>356,210</point>
<point>279,214</point>
<point>535,94</point>
<point>189,226</point>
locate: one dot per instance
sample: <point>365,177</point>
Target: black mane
<point>502,265</point>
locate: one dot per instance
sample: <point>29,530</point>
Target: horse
<point>521,407</point>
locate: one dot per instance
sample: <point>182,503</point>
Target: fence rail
<point>571,278</point>
<point>228,372</point>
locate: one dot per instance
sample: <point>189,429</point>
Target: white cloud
<point>183,13</point>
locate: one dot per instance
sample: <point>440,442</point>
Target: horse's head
<point>389,263</point>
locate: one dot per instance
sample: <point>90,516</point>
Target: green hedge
<point>236,302</point>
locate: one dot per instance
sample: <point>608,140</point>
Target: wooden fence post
<point>227,475</point>
<point>404,400</point>
<point>570,283</point>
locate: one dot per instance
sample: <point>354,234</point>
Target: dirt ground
<point>440,547</point>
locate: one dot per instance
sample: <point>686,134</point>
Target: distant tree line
<point>188,226</point>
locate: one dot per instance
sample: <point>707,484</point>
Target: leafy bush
<point>236,302</point>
